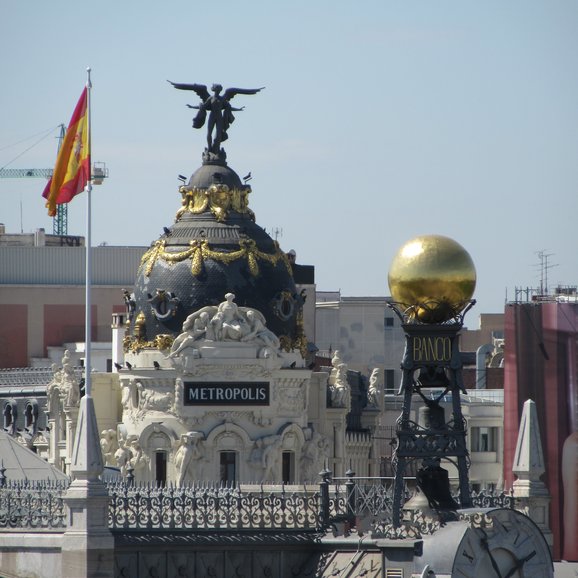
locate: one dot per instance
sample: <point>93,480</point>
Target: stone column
<point>54,429</point>
<point>532,496</point>
<point>87,544</point>
<point>118,333</point>
<point>71,414</point>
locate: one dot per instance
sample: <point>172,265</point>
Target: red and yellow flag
<point>72,169</point>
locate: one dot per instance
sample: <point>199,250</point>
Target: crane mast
<point>60,220</point>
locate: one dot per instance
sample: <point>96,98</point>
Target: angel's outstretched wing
<point>200,89</point>
<point>231,92</point>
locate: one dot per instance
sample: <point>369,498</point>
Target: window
<point>228,462</point>
<point>484,439</point>
<point>30,416</point>
<point>389,381</point>
<point>388,322</point>
<point>10,417</point>
<point>161,468</point>
<point>288,467</point>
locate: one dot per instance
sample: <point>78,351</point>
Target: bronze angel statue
<point>219,109</point>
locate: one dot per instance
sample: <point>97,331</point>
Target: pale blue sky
<point>380,121</point>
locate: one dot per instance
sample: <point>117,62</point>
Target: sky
<point>380,121</point>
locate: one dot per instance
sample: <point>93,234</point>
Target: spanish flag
<point>72,169</point>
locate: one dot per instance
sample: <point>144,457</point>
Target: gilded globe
<point>433,278</point>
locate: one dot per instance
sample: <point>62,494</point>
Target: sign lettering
<point>431,349</point>
<point>245,393</point>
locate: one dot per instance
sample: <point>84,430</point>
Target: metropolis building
<point>214,377</point>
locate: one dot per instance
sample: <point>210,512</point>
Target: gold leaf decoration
<point>199,251</point>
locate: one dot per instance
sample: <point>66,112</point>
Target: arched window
<point>10,414</point>
<point>31,416</point>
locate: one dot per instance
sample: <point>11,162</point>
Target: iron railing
<point>212,507</point>
<point>34,506</point>
<point>40,506</point>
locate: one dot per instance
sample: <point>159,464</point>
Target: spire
<point>529,458</point>
<point>532,496</point>
<point>87,461</point>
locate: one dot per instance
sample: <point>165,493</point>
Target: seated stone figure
<point>224,323</point>
<point>258,332</point>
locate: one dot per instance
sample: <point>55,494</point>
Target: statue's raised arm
<point>218,108</point>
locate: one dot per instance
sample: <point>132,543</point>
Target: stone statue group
<point>226,322</point>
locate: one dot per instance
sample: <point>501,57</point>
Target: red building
<point>541,364</point>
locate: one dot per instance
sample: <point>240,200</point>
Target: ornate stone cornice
<point>228,372</point>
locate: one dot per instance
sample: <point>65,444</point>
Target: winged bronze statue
<point>219,109</point>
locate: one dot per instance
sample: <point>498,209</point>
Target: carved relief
<point>188,457</point>
<point>340,391</point>
<point>374,389</point>
<point>109,446</point>
<point>153,400</point>
<point>231,372</point>
<point>315,452</point>
<point>271,457</point>
<point>226,322</point>
<point>291,400</point>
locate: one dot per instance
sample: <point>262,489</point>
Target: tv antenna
<point>545,266</point>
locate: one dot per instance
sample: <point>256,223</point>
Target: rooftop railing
<point>350,501</point>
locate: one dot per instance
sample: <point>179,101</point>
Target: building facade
<point>42,295</point>
<point>541,363</point>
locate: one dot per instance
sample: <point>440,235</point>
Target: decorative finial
<point>432,279</point>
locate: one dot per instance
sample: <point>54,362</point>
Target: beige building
<point>42,294</point>
<point>368,335</point>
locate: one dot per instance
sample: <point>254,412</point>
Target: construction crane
<point>60,220</point>
<point>22,173</point>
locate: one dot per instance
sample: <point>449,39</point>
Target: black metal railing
<point>33,505</point>
<point>213,507</point>
<point>353,501</point>
<point>371,499</point>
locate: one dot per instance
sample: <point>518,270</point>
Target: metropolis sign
<point>226,393</point>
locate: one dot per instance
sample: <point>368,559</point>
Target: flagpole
<point>86,461</point>
<point>88,277</point>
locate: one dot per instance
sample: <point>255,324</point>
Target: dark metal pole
<point>324,491</point>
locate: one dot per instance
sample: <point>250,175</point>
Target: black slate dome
<point>212,173</point>
<point>213,248</point>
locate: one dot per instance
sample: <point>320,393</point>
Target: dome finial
<point>432,278</point>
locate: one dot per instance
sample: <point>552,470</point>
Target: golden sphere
<point>433,277</point>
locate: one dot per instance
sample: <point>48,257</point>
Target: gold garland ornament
<point>199,251</point>
<point>162,342</point>
<point>219,199</point>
